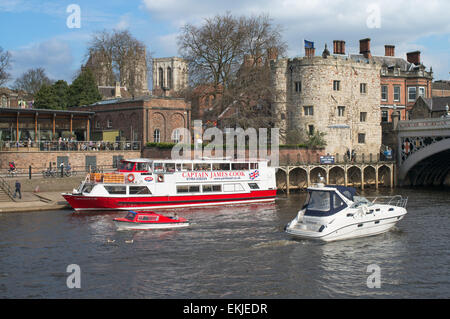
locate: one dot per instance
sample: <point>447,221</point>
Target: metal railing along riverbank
<point>64,145</point>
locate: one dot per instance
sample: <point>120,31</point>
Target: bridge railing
<point>336,159</point>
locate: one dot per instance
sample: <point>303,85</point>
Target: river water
<point>227,252</point>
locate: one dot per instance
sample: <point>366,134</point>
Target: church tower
<point>170,75</point>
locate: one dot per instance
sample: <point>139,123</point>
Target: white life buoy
<point>130,178</point>
<point>160,178</point>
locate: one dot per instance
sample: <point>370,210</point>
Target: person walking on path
<point>18,190</point>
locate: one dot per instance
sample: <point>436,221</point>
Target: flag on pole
<point>309,44</point>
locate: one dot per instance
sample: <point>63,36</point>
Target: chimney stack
<point>310,52</point>
<point>389,50</point>
<point>364,48</point>
<point>338,47</point>
<point>413,57</point>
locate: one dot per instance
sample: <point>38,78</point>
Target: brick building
<point>402,81</point>
<point>147,119</point>
<point>332,93</point>
<point>440,88</point>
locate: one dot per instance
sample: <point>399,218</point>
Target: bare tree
<point>5,60</point>
<point>32,80</point>
<point>230,55</point>
<point>118,56</point>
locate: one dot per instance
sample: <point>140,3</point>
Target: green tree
<point>316,140</point>
<point>45,98</point>
<point>52,96</point>
<point>83,90</point>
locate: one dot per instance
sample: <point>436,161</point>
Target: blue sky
<point>36,33</point>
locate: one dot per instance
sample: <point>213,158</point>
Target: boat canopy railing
<point>396,200</point>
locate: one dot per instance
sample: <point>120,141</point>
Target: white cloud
<point>402,22</point>
<point>53,55</point>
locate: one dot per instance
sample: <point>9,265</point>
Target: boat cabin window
<point>188,188</point>
<point>142,167</point>
<point>148,218</point>
<point>253,185</point>
<point>186,167</point>
<point>170,167</point>
<point>158,167</point>
<point>319,201</point>
<point>139,190</point>
<point>253,165</point>
<point>126,166</point>
<point>323,203</point>
<point>221,166</point>
<point>239,166</point>
<point>211,188</point>
<point>87,188</point>
<point>202,166</point>
<point>116,190</point>
<point>232,187</point>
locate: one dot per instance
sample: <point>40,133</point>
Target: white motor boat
<point>336,212</point>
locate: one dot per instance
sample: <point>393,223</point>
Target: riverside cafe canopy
<point>21,124</point>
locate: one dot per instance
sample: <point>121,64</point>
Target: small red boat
<point>149,220</point>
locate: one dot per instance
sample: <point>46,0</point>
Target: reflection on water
<point>227,252</point>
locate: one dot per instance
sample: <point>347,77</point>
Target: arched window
<point>169,78</point>
<point>176,136</point>
<point>156,136</point>
<point>161,78</point>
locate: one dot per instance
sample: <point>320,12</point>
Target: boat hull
<point>355,230</point>
<point>121,225</point>
<point>90,203</point>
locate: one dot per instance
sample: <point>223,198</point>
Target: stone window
<point>108,123</point>
<point>362,116</point>
<point>341,110</point>
<point>161,78</point>
<point>156,136</point>
<point>412,93</point>
<point>311,129</point>
<point>308,110</point>
<point>363,88</point>
<point>298,86</point>
<point>384,93</point>
<point>169,78</point>
<point>396,93</point>
<point>336,85</point>
<point>361,138</point>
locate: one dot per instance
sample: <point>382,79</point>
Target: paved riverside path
<point>33,202</point>
<point>48,196</point>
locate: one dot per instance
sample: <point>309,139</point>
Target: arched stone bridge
<point>347,174</point>
<point>423,151</point>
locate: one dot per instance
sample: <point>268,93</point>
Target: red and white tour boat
<point>151,184</point>
<point>148,220</point>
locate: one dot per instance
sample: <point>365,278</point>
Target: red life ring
<point>160,178</point>
<point>130,178</point>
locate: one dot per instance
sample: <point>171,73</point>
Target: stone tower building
<point>331,93</point>
<point>170,75</point>
<point>132,76</point>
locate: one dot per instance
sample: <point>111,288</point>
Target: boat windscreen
<point>323,203</point>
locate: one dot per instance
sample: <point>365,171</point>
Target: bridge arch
<point>420,158</point>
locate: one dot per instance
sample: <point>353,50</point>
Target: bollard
<point>29,172</point>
